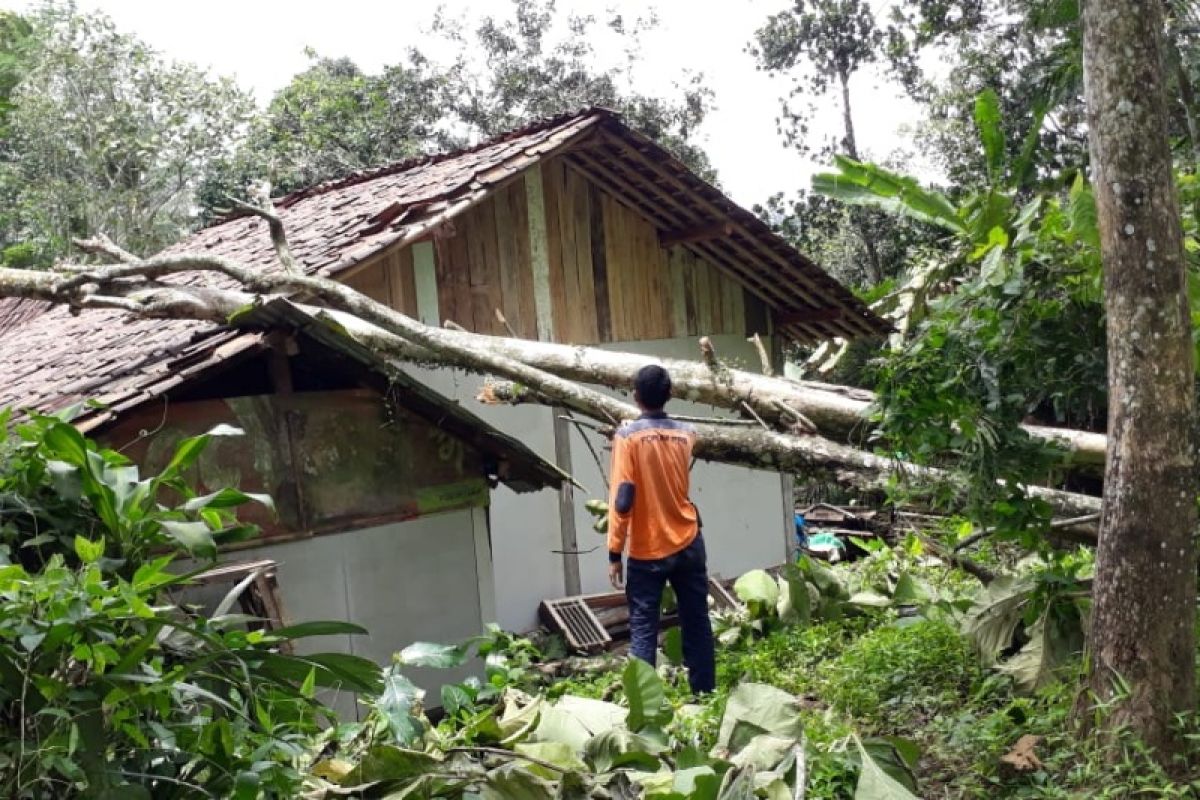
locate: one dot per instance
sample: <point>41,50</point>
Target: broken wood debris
<point>590,623</point>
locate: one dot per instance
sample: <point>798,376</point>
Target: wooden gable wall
<point>604,276</point>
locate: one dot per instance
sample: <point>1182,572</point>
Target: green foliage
<point>102,134</point>
<point>1005,327</point>
<point>526,61</point>
<point>333,119</point>
<point>57,488</point>
<point>834,39</point>
<point>109,687</point>
<point>898,670</point>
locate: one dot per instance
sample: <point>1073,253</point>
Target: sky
<point>261,43</point>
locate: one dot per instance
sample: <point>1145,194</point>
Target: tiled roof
<point>336,225</point>
<point>50,358</point>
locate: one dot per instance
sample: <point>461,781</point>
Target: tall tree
<point>538,62</point>
<point>333,119</point>
<point>506,70</point>
<point>829,40</point>
<point>105,135</point>
<point>1142,640</point>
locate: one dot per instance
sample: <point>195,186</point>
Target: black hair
<point>653,386</point>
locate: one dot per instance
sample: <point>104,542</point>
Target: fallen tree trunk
<point>554,371</point>
<point>839,413</point>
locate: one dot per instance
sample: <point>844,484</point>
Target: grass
<point>875,674</point>
<point>918,679</point>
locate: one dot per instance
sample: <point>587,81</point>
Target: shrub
<point>894,672</point>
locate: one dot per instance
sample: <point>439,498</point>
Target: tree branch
<point>278,235</point>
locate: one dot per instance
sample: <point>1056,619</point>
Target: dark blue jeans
<point>687,572</point>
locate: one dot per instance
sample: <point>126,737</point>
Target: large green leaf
<point>332,670</point>
<point>620,747</point>
<point>1082,213</point>
<point>993,618</point>
<point>557,725</point>
<point>991,132</point>
<point>645,694</point>
<point>1052,643</point>
<point>673,646</point>
<point>194,537</point>
<point>595,715</point>
<point>759,591</point>
<point>513,783</point>
<point>397,705</point>
<point>428,654</point>
<point>754,709</point>
<point>1023,168</point>
<point>519,717</point>
<point>229,498</point>
<point>795,601</point>
<point>318,628</point>
<point>764,752</point>
<point>895,756</point>
<point>874,783</point>
<point>560,755</point>
<point>869,184</point>
<point>738,784</point>
<point>385,762</point>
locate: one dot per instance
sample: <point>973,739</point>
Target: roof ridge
<point>365,175</point>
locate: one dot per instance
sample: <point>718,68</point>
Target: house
<point>380,485</point>
<point>574,229</point>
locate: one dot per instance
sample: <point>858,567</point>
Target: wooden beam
<point>809,316</point>
<point>700,233</point>
<point>711,207</point>
<point>425,281</point>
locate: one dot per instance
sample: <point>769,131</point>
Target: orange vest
<point>649,505</point>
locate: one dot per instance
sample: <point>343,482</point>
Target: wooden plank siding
<point>389,279</point>
<point>606,276</point>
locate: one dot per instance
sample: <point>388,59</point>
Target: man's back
<point>650,501</point>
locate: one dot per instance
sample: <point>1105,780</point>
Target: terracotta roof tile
<point>50,358</point>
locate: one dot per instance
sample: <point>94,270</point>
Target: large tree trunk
<point>135,285</point>
<point>858,215</point>
<point>840,413</point>
<point>1141,644</point>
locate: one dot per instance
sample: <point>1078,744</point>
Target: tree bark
<point>135,285</point>
<point>857,216</point>
<point>818,458</point>
<point>1141,643</point>
<point>840,413</point>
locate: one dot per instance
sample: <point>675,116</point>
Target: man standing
<point>650,510</point>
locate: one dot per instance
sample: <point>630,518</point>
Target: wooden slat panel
<point>402,282</point>
<point>734,310</point>
<point>656,277</point>
<point>567,308</point>
<point>526,320</point>
<point>756,314</point>
<point>484,268</point>
<point>704,321</point>
<point>577,190</point>
<point>551,182</point>
<point>506,256</point>
<point>454,283</point>
<point>691,292</point>
<point>714,282</point>
<point>599,264</point>
<point>425,280</point>
<point>679,315</point>
<point>615,249</point>
<point>371,281</point>
<point>539,251</point>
